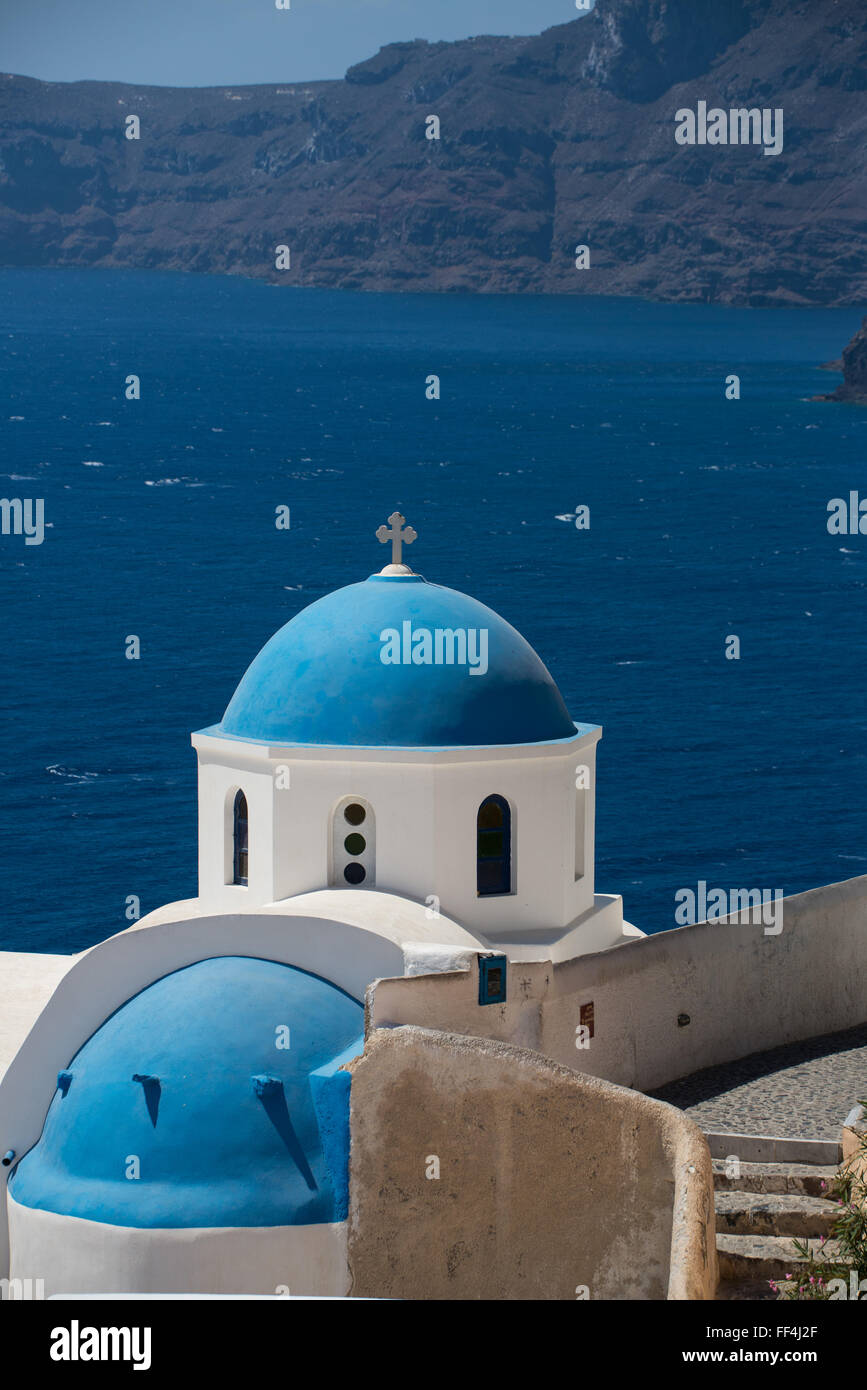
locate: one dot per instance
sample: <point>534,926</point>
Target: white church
<point>366,751</point>
<point>375,1056</point>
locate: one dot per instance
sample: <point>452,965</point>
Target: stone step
<point>763,1257</point>
<point>763,1148</point>
<point>774,1214</point>
<point>806,1178</point>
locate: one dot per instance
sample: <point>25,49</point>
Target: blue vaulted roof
<point>229,1129</point>
<point>321,679</point>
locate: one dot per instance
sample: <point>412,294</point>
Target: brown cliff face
<point>546,143</point>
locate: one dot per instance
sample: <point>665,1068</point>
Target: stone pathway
<point>803,1090</point>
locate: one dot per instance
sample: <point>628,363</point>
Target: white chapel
<point>395,790</point>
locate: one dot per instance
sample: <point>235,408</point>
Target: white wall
<point>425,805</point>
<point>217,787</point>
<point>742,990</point>
<point>75,1256</point>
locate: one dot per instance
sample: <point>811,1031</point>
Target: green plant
<point>848,1234</point>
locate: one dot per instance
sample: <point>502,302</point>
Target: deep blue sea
<point>708,518</point>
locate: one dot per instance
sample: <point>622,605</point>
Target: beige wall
<point>550,1181</point>
<point>855,1159</point>
<point>742,990</point>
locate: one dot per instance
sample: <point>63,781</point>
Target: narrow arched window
<point>494,847</point>
<point>240,840</point>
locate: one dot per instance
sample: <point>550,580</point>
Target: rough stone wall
<point>855,1158</point>
<point>549,1181</point>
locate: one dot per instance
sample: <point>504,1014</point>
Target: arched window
<point>353,844</point>
<point>494,847</point>
<point>240,840</point>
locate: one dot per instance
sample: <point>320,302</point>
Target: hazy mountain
<point>546,143</point>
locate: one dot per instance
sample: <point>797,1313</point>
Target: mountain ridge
<point>547,142</point>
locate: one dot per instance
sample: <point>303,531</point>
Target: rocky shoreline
<point>853,365</point>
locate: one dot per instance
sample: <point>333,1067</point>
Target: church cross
<point>394,532</point>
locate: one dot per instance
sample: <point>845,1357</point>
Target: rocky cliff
<point>545,143</point>
<point>854,369</point>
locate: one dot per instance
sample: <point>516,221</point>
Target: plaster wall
<point>217,788</point>
<point>549,1182</point>
<point>27,982</point>
<point>741,990</point>
<point>425,804</point>
<point>74,1256</point>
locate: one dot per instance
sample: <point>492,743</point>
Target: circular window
<point>354,873</point>
<point>355,844</point>
<point>354,813</point>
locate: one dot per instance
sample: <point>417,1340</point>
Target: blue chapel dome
<point>229,1128</point>
<point>321,680</point>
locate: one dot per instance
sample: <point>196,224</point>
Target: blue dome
<point>229,1128</point>
<point>356,670</point>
